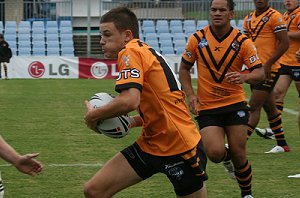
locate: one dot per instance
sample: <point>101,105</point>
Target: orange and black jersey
<point>215,57</point>
<point>292,20</point>
<point>168,128</point>
<point>262,30</point>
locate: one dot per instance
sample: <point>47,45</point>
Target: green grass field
<point>46,116</point>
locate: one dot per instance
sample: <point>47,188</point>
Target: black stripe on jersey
<point>187,62</point>
<point>125,86</point>
<point>251,31</point>
<point>140,43</point>
<point>218,66</point>
<point>167,71</point>
<point>255,67</point>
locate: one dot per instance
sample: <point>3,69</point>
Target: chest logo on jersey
<point>129,73</point>
<point>293,16</point>
<point>265,19</point>
<point>235,45</point>
<point>126,60</point>
<point>203,43</point>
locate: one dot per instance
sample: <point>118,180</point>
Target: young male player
<point>170,142</point>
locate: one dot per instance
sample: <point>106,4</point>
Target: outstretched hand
<point>28,165</point>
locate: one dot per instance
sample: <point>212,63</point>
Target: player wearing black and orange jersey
<point>170,142</point>
<point>298,60</point>
<point>266,25</point>
<point>290,67</point>
<point>220,52</point>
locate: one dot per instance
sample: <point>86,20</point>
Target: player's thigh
<point>115,175</point>
<point>237,136</point>
<point>281,87</point>
<point>213,138</point>
<point>258,98</point>
<point>297,85</point>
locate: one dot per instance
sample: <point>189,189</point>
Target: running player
<point>290,67</point>
<point>220,52</point>
<point>170,142</point>
<point>266,25</point>
<point>298,59</point>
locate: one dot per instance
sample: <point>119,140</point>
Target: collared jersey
<point>262,30</point>
<point>168,128</point>
<point>292,20</point>
<point>216,57</point>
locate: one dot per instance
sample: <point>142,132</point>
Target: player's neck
<point>261,10</point>
<point>220,32</point>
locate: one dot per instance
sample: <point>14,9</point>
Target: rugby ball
<point>117,127</point>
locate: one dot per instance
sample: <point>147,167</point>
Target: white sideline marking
<point>64,165</point>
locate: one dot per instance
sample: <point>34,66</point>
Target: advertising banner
<point>43,67</point>
<point>97,68</point>
<point>73,67</point>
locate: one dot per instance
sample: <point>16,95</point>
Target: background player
<point>220,104</point>
<point>266,25</point>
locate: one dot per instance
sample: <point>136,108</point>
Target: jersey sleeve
<point>190,56</point>
<point>130,70</point>
<point>251,59</point>
<point>278,23</point>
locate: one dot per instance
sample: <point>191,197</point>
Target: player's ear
<point>128,36</point>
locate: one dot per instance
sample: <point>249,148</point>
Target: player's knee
<point>215,156</point>
<point>90,191</point>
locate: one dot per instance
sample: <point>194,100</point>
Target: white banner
<point>43,67</point>
<point>66,67</point>
<point>174,62</point>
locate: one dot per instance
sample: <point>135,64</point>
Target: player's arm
<point>127,101</point>
<point>186,82</point>
<point>24,163</point>
<point>7,152</point>
<point>298,56</point>
<point>283,45</point>
<point>136,121</point>
<point>294,35</point>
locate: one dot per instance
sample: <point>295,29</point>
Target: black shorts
<point>292,71</point>
<point>185,179</point>
<point>267,85</point>
<point>235,114</point>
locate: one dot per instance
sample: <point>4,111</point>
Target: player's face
<point>261,4</point>
<point>112,41</point>
<point>290,4</point>
<point>220,15</point>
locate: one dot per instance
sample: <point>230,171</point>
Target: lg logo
<point>37,69</point>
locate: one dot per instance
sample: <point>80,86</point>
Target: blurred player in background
<point>290,67</point>
<point>267,29</point>
<point>170,142</point>
<point>5,55</point>
<point>220,52</point>
<point>24,163</point>
<point>298,60</point>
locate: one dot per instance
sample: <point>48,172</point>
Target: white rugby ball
<point>117,127</point>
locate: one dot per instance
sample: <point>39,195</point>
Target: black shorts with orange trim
<point>267,85</point>
<point>292,71</point>
<point>234,114</point>
<point>186,171</point>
